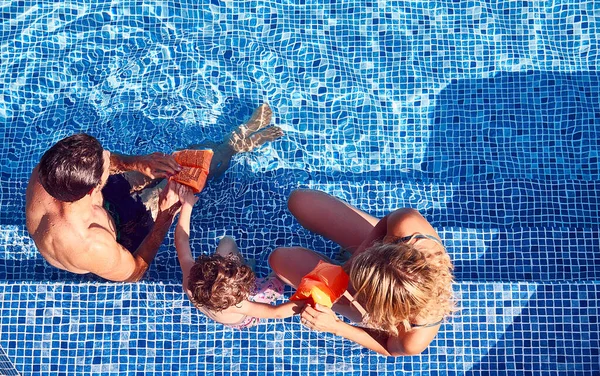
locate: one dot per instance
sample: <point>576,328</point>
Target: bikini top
<point>406,239</point>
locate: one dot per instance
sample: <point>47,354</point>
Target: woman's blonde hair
<point>395,283</point>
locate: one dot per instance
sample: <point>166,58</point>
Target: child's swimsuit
<point>267,291</point>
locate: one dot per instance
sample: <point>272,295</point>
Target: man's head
<point>73,167</point>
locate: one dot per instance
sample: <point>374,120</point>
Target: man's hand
<point>168,201</point>
<point>157,165</point>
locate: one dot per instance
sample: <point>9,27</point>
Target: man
<point>67,219</point>
<point>87,217</point>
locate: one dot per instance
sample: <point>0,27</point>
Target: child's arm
<point>267,311</point>
<point>182,231</point>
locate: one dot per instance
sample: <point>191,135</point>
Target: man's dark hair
<point>72,167</point>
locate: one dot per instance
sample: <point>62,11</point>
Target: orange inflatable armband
<point>195,167</point>
<point>324,285</point>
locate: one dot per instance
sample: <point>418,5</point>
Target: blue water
<point>482,115</point>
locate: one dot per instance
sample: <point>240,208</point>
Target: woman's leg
<point>291,264</point>
<point>331,217</point>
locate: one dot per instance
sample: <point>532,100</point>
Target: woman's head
<point>395,283</point>
<point>216,282</point>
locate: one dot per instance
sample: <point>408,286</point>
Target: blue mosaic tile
<point>481,115</point>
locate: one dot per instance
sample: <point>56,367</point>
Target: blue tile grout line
<point>6,366</point>
<point>483,115</point>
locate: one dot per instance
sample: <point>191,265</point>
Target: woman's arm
<point>325,320</point>
<point>406,343</point>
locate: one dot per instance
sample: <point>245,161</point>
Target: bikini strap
<point>417,326</point>
<point>417,236</point>
<point>355,304</point>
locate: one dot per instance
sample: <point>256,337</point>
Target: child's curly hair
<point>218,282</point>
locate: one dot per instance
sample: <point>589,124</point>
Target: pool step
<point>96,326</point>
<point>529,254</point>
<point>474,204</point>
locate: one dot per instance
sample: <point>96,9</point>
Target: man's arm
<point>146,252</point>
<point>111,261</point>
<point>155,165</point>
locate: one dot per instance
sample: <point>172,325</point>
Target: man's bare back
<point>66,217</point>
<point>62,231</point>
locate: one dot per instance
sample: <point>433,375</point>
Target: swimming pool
<point>482,115</point>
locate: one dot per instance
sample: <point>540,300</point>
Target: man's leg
<point>244,138</point>
<point>132,217</point>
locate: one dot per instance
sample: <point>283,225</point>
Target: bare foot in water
<point>265,135</point>
<point>261,117</point>
<point>254,133</point>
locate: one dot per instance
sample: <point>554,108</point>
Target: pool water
<point>484,116</point>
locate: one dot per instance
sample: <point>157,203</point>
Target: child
<point>221,285</point>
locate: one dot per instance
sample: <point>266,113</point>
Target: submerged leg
<point>248,136</point>
<point>244,138</point>
<point>227,246</point>
<point>265,135</point>
<point>261,117</point>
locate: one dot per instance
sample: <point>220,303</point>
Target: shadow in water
<point>520,149</point>
<point>539,255</point>
<point>556,332</point>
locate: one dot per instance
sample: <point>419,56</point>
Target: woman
<point>400,286</point>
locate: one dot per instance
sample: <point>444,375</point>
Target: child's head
<point>396,283</point>
<point>218,282</point>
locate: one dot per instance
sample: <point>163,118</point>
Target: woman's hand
<point>320,318</point>
<point>186,195</point>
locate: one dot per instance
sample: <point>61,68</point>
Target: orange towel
<point>324,285</point>
<point>195,167</point>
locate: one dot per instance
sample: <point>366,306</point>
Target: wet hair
<point>395,283</point>
<point>72,167</point>
<point>218,282</point>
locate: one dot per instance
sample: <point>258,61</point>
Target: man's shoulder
<point>100,238</point>
<point>82,244</point>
